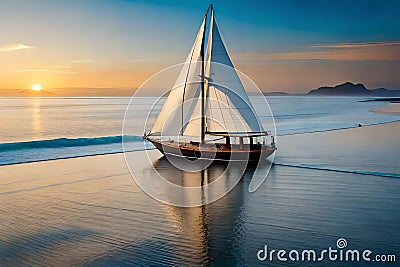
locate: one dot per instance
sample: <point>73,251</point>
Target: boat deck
<point>212,146</point>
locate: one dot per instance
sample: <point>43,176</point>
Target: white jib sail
<point>181,99</point>
<point>228,107</point>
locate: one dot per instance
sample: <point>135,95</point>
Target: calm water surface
<point>62,212</point>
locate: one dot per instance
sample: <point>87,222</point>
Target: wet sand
<point>89,211</point>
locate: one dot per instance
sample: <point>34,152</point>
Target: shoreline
<point>74,157</point>
<point>343,129</point>
<point>394,123</point>
<point>391,109</point>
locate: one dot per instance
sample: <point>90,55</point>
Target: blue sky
<point>120,43</point>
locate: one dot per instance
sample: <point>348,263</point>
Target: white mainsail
<point>182,97</point>
<point>227,106</point>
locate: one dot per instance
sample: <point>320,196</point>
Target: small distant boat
<point>208,114</point>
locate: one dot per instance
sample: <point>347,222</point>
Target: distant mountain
<point>276,94</point>
<point>68,92</point>
<point>35,93</point>
<point>385,92</point>
<point>351,89</point>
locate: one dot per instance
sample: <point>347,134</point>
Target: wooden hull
<point>214,151</point>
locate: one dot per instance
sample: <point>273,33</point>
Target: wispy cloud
<point>14,47</point>
<point>138,60</point>
<point>371,51</point>
<point>81,61</point>
<point>335,55</point>
<point>42,70</point>
<point>355,45</point>
<point>61,67</point>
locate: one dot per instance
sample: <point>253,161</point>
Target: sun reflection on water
<point>36,118</point>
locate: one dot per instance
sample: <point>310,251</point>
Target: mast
<point>203,94</point>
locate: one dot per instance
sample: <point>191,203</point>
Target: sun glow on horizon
<point>36,87</point>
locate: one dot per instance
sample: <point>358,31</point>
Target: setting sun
<point>37,87</point>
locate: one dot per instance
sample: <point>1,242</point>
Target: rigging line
<point>216,96</point>
<point>208,69</point>
<point>184,87</point>
<point>223,137</point>
<point>203,119</point>
<point>230,112</point>
<point>208,105</point>
<point>210,108</point>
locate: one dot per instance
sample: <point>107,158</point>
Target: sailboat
<point>208,114</point>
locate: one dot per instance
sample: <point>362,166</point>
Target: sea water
<point>37,129</point>
<point>89,212</point>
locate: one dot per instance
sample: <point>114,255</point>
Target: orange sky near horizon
<point>121,44</point>
<point>290,75</point>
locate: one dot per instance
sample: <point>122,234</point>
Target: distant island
<point>69,92</point>
<point>351,89</point>
<point>276,94</point>
<point>345,89</point>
